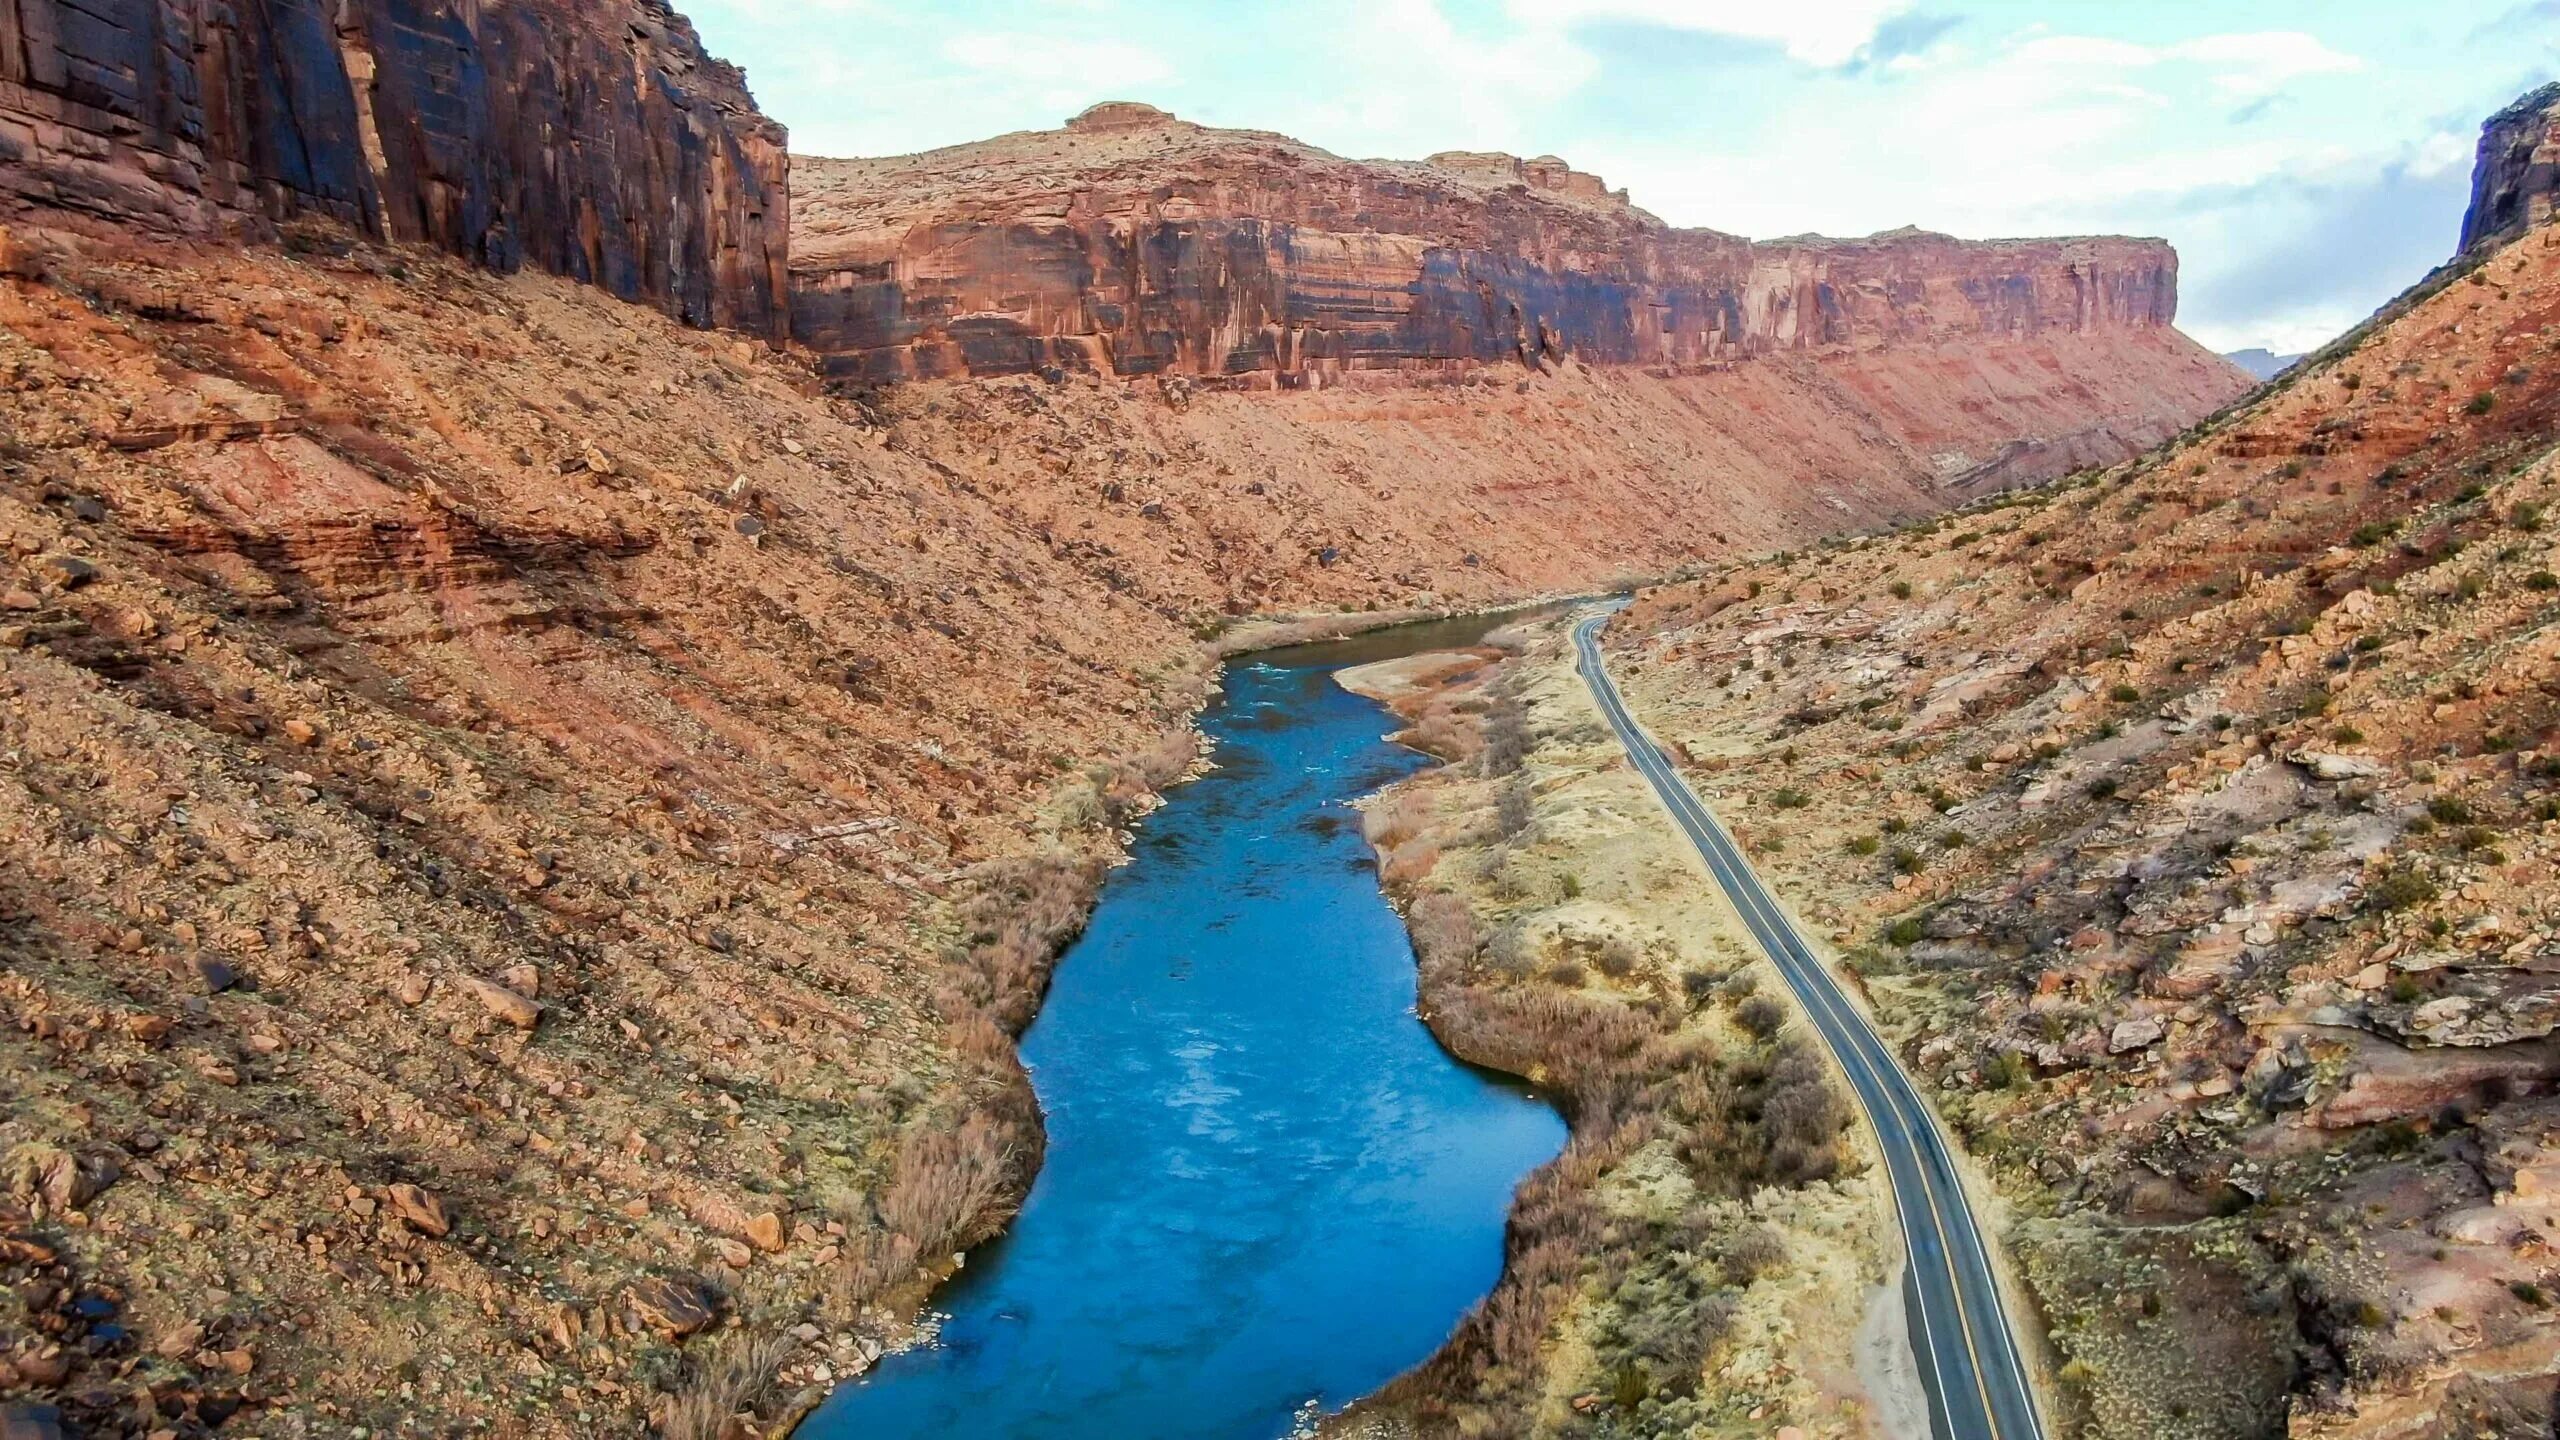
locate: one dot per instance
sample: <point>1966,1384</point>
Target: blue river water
<point>1266,1185</point>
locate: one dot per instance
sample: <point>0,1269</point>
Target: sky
<point>2309,158</point>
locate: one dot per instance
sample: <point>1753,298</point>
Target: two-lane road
<point>1968,1354</point>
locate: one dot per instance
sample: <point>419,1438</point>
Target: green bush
<point>1905,932</point>
<point>2123,694</point>
<point>2482,403</point>
<point>2400,888</point>
<point>1901,589</point>
<point>1861,845</point>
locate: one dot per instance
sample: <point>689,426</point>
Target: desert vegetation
<point>1637,1261</point>
<point>2191,827</point>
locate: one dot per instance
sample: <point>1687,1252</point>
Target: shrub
<point>1790,799</point>
<point>1513,811</point>
<point>2449,810</point>
<point>2400,888</point>
<point>2373,532</point>
<point>1901,589</point>
<point>2123,694</point>
<point>2542,580</point>
<point>1905,932</point>
<point>946,1184</point>
<point>2527,517</point>
<point>1757,1251</point>
<point>2346,735</point>
<point>2102,788</point>
<point>1617,957</point>
<point>1761,1016</point>
<point>1861,845</point>
<point>2482,403</point>
<point>1697,985</point>
<point>1907,861</point>
<point>1506,739</point>
<point>1444,930</point>
<point>736,1375</point>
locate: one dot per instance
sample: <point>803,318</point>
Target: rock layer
<point>1135,243</point>
<point>2517,172</point>
<point>591,138</point>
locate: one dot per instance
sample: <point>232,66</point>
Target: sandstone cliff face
<point>590,138</point>
<point>2517,172</point>
<point>1135,243</point>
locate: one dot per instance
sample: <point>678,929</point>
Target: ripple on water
<point>1264,1181</point>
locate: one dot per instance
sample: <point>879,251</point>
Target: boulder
<point>422,1211</point>
<point>506,1004</point>
<point>671,1306</point>
<point>2139,1033</point>
<point>2335,768</point>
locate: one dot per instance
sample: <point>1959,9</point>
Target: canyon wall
<point>591,138</point>
<point>1135,243</point>
<point>2517,171</point>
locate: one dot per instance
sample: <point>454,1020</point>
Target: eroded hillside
<point>1135,244</point>
<point>2192,824</point>
<point>469,734</point>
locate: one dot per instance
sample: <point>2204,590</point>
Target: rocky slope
<point>2193,826</point>
<point>530,825</point>
<point>1133,243</point>
<point>590,138</point>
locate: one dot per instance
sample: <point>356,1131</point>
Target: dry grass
<point>725,1382</point>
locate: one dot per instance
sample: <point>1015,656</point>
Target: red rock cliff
<point>1135,243</point>
<point>591,138</point>
<point>2518,171</point>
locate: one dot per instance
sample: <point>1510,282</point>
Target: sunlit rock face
<point>2517,172</point>
<point>1134,243</point>
<point>591,138</point>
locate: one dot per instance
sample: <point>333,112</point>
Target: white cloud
<point>2443,152</point>
<point>2256,65</point>
<point>1827,33</point>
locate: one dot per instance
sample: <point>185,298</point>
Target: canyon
<point>2190,828</point>
<point>540,790</point>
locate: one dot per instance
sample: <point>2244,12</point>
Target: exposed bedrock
<point>2517,172</point>
<point>1135,243</point>
<point>591,138</point>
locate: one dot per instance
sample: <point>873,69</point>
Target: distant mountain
<point>2264,364</point>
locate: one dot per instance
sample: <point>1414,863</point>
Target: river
<point>1266,1185</point>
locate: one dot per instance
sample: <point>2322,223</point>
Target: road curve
<point>1968,1354</point>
